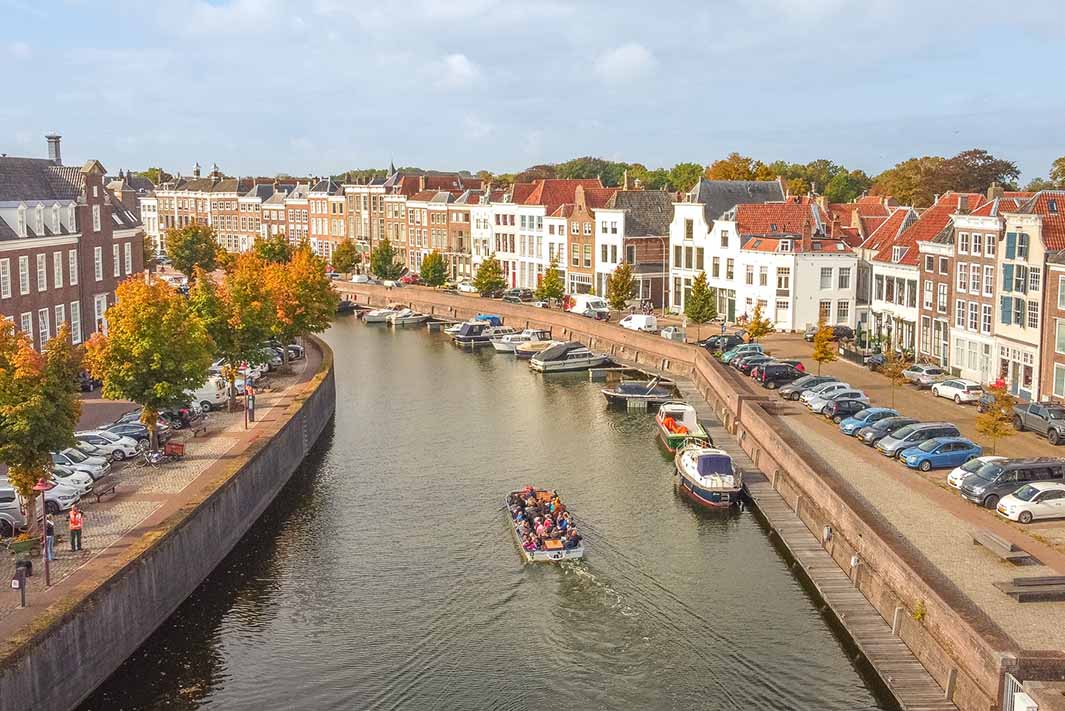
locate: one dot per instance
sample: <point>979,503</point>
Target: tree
<point>701,304</point>
<point>346,256</point>
<point>434,269</point>
<point>847,186</point>
<point>972,171</point>
<point>996,421</point>
<point>824,350</point>
<point>190,247</point>
<point>383,261</point>
<point>552,286</point>
<point>148,245</point>
<point>303,297</point>
<point>489,276</point>
<point>1057,172</point>
<point>619,286</point>
<point>1036,184</point>
<point>536,172</point>
<point>141,359</point>
<point>894,364</point>
<point>156,175</point>
<point>684,176</point>
<point>911,182</point>
<point>759,325</point>
<point>737,167</point>
<point>275,249</point>
<point>39,406</point>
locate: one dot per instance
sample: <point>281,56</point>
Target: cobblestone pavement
<point>142,490</point>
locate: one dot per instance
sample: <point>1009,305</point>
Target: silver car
<point>820,402</point>
<point>913,435</point>
<point>823,389</point>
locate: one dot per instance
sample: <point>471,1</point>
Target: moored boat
<point>542,536</point>
<point>509,342</point>
<point>525,351</point>
<point>406,317</point>
<point>565,357</point>
<point>650,391</point>
<point>479,333</point>
<point>678,425</point>
<point>707,476</point>
<point>380,315</point>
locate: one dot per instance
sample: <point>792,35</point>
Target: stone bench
<point>1038,588</point>
<point>1000,546</point>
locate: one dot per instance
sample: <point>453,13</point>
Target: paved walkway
<point>145,496</point>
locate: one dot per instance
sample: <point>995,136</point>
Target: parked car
<point>78,481</point>
<point>744,365</point>
<point>795,389</point>
<point>1039,499</point>
<point>871,434</point>
<point>958,474</point>
<point>517,295</point>
<point>773,375</point>
<point>875,362</point>
<point>466,287</point>
<point>118,446</point>
<point>77,460</point>
<point>12,517</point>
<point>863,418</point>
<point>988,484</point>
<point>810,332</point>
<point>92,450</point>
<point>363,279</point>
<point>59,497</point>
<point>672,333</point>
<point>820,402</point>
<point>822,389</point>
<point>639,322</point>
<point>139,433</point>
<point>741,349</point>
<point>589,305</point>
<point>1047,420</point>
<point>958,390</point>
<point>912,435</point>
<point>838,410</point>
<point>939,453</point>
<point>985,402</point>
<point>410,279</point>
<point>923,375</point>
<point>723,342</point>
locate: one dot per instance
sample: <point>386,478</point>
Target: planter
<point>32,547</point>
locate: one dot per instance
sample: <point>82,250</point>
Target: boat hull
<point>567,366</point>
<point>675,442</point>
<point>717,499</point>
<point>409,321</point>
<point>503,347</point>
<point>616,398</point>
<point>380,318</point>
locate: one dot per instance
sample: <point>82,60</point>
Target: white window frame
<point>24,275</point>
<point>57,270</point>
<point>75,321</point>
<point>116,253</point>
<point>1059,368</point>
<point>72,266</point>
<point>60,316</point>
<point>42,272</point>
<point>95,218</point>
<point>98,262</point>
<point>959,313</point>
<point>26,323</point>
<point>5,278</point>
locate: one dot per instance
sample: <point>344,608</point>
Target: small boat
<point>406,317</point>
<point>551,550</point>
<point>678,425</point>
<point>650,391</point>
<point>567,357</point>
<point>479,333</point>
<point>380,315</point>
<point>345,306</point>
<point>525,351</point>
<point>509,342</point>
<point>707,476</point>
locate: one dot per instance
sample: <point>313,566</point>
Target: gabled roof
<point>720,196</point>
<point>891,228</point>
<point>555,192</point>
<point>794,217</point>
<point>1050,205</point>
<point>647,212</point>
<point>39,179</point>
<point>327,186</point>
<point>926,227</point>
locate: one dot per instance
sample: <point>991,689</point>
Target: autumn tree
<point>489,276</point>
<point>701,304</point>
<point>737,167</point>
<point>273,250</point>
<point>551,286</point>
<point>434,269</point>
<point>383,261</point>
<point>302,296</point>
<point>894,365</point>
<point>346,256</point>
<point>1057,172</point>
<point>39,406</point>
<point>142,358</point>
<point>917,181</point>
<point>620,285</point>
<point>824,350</point>
<point>759,326</point>
<point>190,247</point>
<point>996,421</point>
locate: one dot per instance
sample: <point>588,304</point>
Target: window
<point>927,300</point>
<point>844,277</point>
<point>60,316</point>
<point>117,252</point>
<point>689,229</point>
<point>944,265</point>
<point>1061,292</point>
<point>576,256</point>
<point>602,253</point>
<point>978,244</point>
<point>843,311</point>
<point>963,243</point>
<point>824,310</point>
<point>27,323</point>
<point>98,262</point>
<point>678,260</point>
<point>1059,380</point>
<point>989,280</point>
<point>42,323</point>
<point>897,253</point>
<point>1006,310</point>
<point>750,275</point>
<point>588,256</point>
<point>941,298</point>
<point>5,278</point>
<point>587,228</point>
<point>42,272</point>
<point>784,278</point>
<point>878,282</point>
<point>95,218</point>
<point>1022,246</point>
<point>1018,312</point>
<point>963,277</point>
<point>826,277</point>
<point>974,315</point>
<point>763,276</point>
<point>1033,314</point>
<point>929,263</point>
<point>729,268</point>
<point>959,313</point>
<point>724,239</point>
<point>783,306</point>
<point>688,252</point>
<point>985,319</point>
<point>926,333</point>
<point>698,257</point>
<point>630,255</point>
<point>715,267</point>
<point>1034,279</point>
<point>574,228</point>
<point>989,249</point>
<point>57,269</point>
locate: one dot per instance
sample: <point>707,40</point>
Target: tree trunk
<point>231,378</point>
<point>284,356</point>
<point>31,514</point>
<point>150,419</point>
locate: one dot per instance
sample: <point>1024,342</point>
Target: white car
<point>79,481</point>
<point>672,333</point>
<point>117,446</point>
<point>79,461</point>
<point>823,389</point>
<point>957,474</point>
<point>60,498</point>
<point>466,287</point>
<point>1040,499</point>
<point>958,390</point>
<point>639,322</point>
<point>819,402</point>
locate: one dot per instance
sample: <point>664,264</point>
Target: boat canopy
<point>558,351</point>
<point>642,387</point>
<point>489,318</point>
<point>473,328</point>
<point>682,412</point>
<point>711,463</point>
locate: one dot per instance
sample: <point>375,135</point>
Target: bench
<point>1000,546</point>
<point>1037,588</point>
<point>103,486</point>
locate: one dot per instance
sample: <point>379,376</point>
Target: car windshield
<point>109,436</point>
<point>972,465</point>
<point>1056,413</point>
<point>1026,492</point>
<point>75,455</point>
<point>990,471</point>
<point>928,445</point>
<point>903,432</point>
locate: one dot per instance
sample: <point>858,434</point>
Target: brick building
<point>936,279</point>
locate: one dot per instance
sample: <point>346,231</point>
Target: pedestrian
<point>76,521</point>
<point>49,538</point>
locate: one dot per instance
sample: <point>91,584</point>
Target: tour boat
<point>525,351</point>
<point>707,476</point>
<point>552,551</point>
<point>406,317</point>
<point>380,315</point>
<point>678,425</point>
<point>479,333</point>
<point>509,342</point>
<point>650,391</point>
<point>566,357</point>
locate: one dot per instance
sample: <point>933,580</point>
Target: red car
<point>410,279</point>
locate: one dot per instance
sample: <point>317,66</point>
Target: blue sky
<point>320,86</point>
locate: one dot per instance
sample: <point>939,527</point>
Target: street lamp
<point>42,486</point>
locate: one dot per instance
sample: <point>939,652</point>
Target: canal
<point>385,576</point>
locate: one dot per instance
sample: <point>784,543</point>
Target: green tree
<point>39,405</point>
<point>434,269</point>
<point>275,249</point>
<point>1036,184</point>
<point>551,288</point>
<point>824,350</point>
<point>911,182</point>
<point>190,247</point>
<point>140,359</point>
<point>974,170</point>
<point>759,325</point>
<point>684,176</point>
<point>383,261</point>
<point>489,276</point>
<point>156,175</point>
<point>701,304</point>
<point>303,297</point>
<point>620,285</point>
<point>996,421</point>
<point>346,257</point>
<point>847,186</point>
<point>737,167</point>
<point>1057,172</point>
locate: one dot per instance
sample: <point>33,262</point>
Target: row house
<point>272,215</point>
<point>633,228</point>
<point>297,214</point>
<point>366,214</point>
<point>65,243</point>
<point>458,253</point>
<point>211,201</point>
<point>936,280</point>
<point>327,217</point>
<point>1050,206</point>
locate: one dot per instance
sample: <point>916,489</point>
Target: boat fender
<point>556,555</point>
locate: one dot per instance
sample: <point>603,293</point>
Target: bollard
<point>18,582</point>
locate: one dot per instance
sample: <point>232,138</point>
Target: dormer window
<point>20,225</point>
<point>785,245</point>
<point>70,216</point>
<point>773,227</point>
<point>897,253</point>
<point>39,222</point>
<point>55,218</point>
<point>1052,206</point>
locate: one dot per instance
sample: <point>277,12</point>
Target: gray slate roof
<point>647,212</point>
<point>720,196</point>
<point>38,179</point>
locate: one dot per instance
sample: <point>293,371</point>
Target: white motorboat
<point>525,351</point>
<point>509,342</point>
<point>480,333</point>
<point>380,315</point>
<point>567,357</point>
<point>707,476</point>
<point>407,317</point>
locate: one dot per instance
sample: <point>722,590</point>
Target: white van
<point>211,394</point>
<point>589,305</point>
<point>639,322</point>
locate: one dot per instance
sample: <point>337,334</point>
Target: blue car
<point>940,453</point>
<point>742,349</point>
<point>864,418</point>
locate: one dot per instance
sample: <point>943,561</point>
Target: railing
<point>1010,686</point>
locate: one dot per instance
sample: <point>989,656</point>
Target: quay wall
<point>961,647</point>
<point>80,641</point>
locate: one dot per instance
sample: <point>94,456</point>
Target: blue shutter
<point>1011,245</point>
<point>1007,310</point>
<point>1007,277</point>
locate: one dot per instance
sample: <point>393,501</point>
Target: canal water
<point>385,576</point>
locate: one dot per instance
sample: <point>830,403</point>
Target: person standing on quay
<point>49,538</point>
<point>76,521</point>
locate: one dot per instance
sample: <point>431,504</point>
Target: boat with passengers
<point>543,529</point>
<point>568,356</point>
<point>707,476</point>
<point>678,425</point>
<point>507,343</point>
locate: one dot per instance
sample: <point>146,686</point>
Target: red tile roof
<point>791,217</point>
<point>930,223</point>
<point>1053,219</point>
<point>555,192</point>
<point>890,228</point>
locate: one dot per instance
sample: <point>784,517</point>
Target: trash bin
<point>25,564</point>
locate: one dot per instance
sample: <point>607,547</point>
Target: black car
<point>773,375</point>
<point>839,333</point>
<point>518,295</point>
<point>795,389</point>
<point>493,294</point>
<point>722,343</point>
<point>838,410</point>
<point>744,365</point>
<point>876,361</point>
<point>137,431</point>
<point>882,428</point>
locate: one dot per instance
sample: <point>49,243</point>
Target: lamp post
<point>42,486</point>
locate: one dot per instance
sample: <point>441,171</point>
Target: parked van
<point>988,484</point>
<point>913,435</point>
<point>639,322</point>
<point>589,305</point>
<point>12,517</point>
<point>211,394</point>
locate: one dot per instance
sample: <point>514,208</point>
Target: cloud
<point>456,71</point>
<point>20,50</point>
<point>476,128</point>
<point>629,61</point>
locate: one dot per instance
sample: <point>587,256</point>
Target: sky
<point>321,86</point>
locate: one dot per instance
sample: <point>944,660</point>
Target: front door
<point>732,309</point>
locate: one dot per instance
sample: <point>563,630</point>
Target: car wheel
<point>1018,424</point>
<point>1054,437</point>
<point>926,466</point>
<point>957,399</point>
<point>6,529</point>
<point>119,455</point>
<point>991,501</point>
<point>837,419</point>
<point>51,507</point>
<point>771,385</point>
<point>935,392</point>
<point>1025,517</point>
<point>205,406</point>
<point>143,442</point>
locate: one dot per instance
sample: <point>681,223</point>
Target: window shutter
<point>1007,310</point>
<point>1007,277</point>
<point>1011,245</point>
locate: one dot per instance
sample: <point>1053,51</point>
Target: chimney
<point>53,148</point>
<point>963,204</point>
<point>994,191</point>
<point>421,183</point>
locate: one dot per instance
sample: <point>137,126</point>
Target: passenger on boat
<point>572,540</point>
<point>563,523</point>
